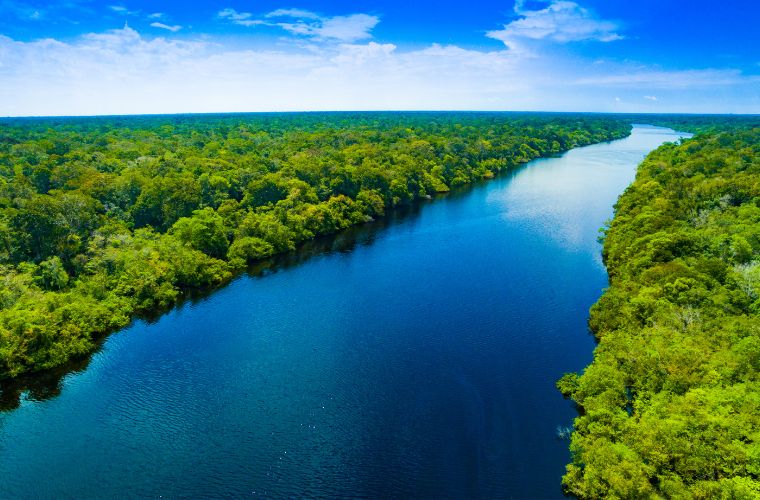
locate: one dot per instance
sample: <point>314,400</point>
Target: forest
<point>106,218</point>
<point>670,406</point>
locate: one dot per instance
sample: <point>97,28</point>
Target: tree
<point>204,231</point>
<point>51,274</point>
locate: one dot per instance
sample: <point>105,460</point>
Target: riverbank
<point>408,357</point>
<point>149,212</point>
<point>669,404</point>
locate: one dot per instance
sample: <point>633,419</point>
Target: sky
<point>88,57</point>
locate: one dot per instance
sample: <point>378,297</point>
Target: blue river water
<point>412,357</point>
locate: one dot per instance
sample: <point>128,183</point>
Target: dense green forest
<point>670,406</point>
<point>105,218</point>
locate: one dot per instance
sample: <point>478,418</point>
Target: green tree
<point>204,231</point>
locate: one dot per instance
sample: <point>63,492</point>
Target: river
<point>414,356</point>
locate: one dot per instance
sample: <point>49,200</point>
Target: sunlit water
<point>419,359</point>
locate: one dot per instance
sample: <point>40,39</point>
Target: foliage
<point>104,218</point>
<point>670,406</point>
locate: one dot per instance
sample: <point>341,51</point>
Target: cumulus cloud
<point>559,21</point>
<point>156,15</point>
<point>349,28</point>
<point>123,71</point>
<point>650,97</point>
<point>163,26</point>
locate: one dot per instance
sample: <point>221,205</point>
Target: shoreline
<point>44,384</point>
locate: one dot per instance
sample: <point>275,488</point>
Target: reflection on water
<point>415,356</point>
<point>561,205</point>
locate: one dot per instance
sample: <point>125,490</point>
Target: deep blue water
<point>411,357</point>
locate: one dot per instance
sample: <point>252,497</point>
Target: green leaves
<point>51,275</point>
<point>204,231</point>
<point>102,219</point>
<point>679,332</point>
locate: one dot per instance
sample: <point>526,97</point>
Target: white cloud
<point>560,21</point>
<point>124,72</point>
<point>349,28</point>
<point>241,18</point>
<point>120,71</point>
<point>650,97</point>
<point>120,9</point>
<point>359,54</point>
<point>156,15</point>
<point>297,13</point>
<point>163,26</point>
<point>233,15</point>
<point>344,28</point>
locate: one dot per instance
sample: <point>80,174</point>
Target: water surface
<point>416,358</point>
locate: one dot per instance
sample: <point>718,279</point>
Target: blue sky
<point>75,57</point>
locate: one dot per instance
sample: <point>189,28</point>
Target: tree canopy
<point>104,218</point>
<point>670,406</point>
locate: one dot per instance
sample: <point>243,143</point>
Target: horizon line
<point>442,111</point>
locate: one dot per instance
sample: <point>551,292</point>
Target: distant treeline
<point>105,218</point>
<point>700,123</point>
<point>670,406</point>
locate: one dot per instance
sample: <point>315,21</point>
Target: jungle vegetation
<point>106,218</point>
<point>670,405</point>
